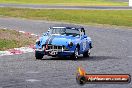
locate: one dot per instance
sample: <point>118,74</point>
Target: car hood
<point>58,40</point>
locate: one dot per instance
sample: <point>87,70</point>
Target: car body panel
<point>56,41</point>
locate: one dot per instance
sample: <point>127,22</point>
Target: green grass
<point>68,2</point>
<point>5,44</point>
<point>110,17</point>
<point>12,39</point>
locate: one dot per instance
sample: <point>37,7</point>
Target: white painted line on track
<point>33,34</point>
<point>25,49</point>
<point>32,80</point>
<point>32,72</point>
<point>3,53</point>
<point>129,56</point>
<point>5,28</point>
<point>22,31</point>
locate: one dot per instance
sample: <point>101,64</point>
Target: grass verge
<point>69,2</point>
<point>110,17</point>
<point>12,39</point>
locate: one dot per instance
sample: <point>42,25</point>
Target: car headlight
<point>70,44</point>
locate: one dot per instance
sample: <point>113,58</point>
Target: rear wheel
<point>86,54</point>
<point>75,55</point>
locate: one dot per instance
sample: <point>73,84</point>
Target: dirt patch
<point>12,39</point>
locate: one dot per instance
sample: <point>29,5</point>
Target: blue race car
<point>62,41</point>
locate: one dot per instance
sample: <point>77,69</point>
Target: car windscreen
<point>62,31</point>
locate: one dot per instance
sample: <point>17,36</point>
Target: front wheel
<point>75,55</point>
<point>39,55</point>
<point>86,54</point>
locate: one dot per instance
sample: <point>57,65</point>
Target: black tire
<point>81,80</point>
<point>74,56</point>
<point>86,54</point>
<point>38,55</point>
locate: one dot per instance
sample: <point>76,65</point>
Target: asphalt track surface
<point>66,7</point>
<point>112,54</point>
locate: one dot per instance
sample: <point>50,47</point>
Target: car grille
<point>55,48</point>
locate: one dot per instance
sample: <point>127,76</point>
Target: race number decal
<point>84,45</point>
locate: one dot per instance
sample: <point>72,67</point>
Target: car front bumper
<point>54,53</point>
<point>58,53</point>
